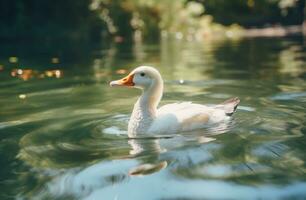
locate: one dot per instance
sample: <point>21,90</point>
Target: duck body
<point>176,117</point>
<point>146,118</point>
<point>185,117</point>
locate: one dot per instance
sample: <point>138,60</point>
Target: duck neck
<point>150,98</point>
<point>145,109</point>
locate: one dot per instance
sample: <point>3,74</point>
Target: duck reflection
<point>148,150</point>
<point>81,182</point>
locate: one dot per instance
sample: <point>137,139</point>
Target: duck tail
<point>230,105</point>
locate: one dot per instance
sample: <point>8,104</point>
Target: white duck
<point>171,118</point>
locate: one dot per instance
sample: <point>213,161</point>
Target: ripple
<point>290,96</point>
<point>113,130</point>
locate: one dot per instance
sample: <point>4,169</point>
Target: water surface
<point>63,129</point>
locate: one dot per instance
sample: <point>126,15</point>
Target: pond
<point>63,129</point>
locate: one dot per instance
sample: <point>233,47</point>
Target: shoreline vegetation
<point>276,31</point>
<point>240,32</point>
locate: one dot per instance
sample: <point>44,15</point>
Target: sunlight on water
<point>63,135</point>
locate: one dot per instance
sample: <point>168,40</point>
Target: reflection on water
<point>64,137</point>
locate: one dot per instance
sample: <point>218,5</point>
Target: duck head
<point>149,80</point>
<point>143,77</point>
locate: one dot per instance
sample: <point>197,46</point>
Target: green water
<point>65,137</point>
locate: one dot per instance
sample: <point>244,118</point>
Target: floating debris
<point>49,73</point>
<point>19,71</point>
<point>58,73</point>
<point>1,67</point>
<point>22,96</point>
<point>24,74</point>
<point>54,73</point>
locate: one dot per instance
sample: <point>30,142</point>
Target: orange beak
<point>126,81</point>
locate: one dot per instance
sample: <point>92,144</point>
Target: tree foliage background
<point>95,19</point>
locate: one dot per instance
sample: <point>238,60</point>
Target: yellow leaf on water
<point>49,73</point>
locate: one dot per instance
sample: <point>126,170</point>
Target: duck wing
<point>181,117</point>
<point>173,107</point>
<point>188,116</point>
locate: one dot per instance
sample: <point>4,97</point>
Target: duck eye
<point>142,74</point>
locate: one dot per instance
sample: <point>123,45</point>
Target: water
<point>63,132</point>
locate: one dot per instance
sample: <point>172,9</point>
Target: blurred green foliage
<point>124,19</point>
<point>256,12</point>
<point>27,19</point>
<point>196,18</point>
